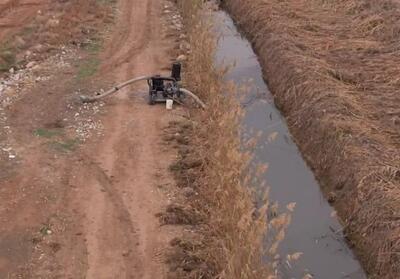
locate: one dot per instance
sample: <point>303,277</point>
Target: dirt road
<point>98,219</point>
<point>131,157</point>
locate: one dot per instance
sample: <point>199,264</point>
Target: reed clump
<point>228,237</point>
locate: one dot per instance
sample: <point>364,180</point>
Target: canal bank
<point>315,230</point>
<point>332,75</point>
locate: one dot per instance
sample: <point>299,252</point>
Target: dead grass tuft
<point>180,215</point>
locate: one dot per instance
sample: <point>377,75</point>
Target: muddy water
<point>314,230</point>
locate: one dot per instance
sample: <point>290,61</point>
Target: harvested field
<point>333,68</point>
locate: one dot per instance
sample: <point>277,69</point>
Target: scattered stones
<point>174,17</point>
<point>30,64</point>
<point>85,126</point>
<point>18,80</point>
<point>52,23</point>
<point>12,84</point>
<point>9,152</point>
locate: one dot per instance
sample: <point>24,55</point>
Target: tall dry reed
<point>232,231</point>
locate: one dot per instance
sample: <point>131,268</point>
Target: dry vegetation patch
<point>334,69</point>
<point>225,229</point>
<point>55,24</point>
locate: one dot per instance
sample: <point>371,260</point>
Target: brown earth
<point>32,30</point>
<point>73,209</point>
<point>16,14</point>
<point>333,68</point>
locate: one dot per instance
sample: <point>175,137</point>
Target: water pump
<point>163,88</point>
<point>160,88</point>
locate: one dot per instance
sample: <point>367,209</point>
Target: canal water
<point>314,229</point>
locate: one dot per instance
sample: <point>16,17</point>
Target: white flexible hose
<point>197,99</point>
<point>88,99</point>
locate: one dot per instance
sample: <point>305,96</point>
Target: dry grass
<point>59,23</point>
<point>227,238</point>
<point>333,66</point>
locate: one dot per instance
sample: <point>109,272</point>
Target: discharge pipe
<point>115,89</point>
<point>88,99</point>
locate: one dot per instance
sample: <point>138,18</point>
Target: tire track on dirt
<point>122,221</point>
<point>132,27</point>
<point>131,164</point>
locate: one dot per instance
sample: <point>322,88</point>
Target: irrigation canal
<point>314,230</point>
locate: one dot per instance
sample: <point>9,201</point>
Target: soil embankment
<point>333,70</point>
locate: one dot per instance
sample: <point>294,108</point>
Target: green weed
<point>7,57</point>
<point>88,68</point>
<point>94,46</point>
<point>106,2</point>
<point>46,133</point>
<point>65,146</point>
